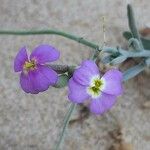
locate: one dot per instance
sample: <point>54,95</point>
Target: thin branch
<point>56,32</point>
<point>66,121</point>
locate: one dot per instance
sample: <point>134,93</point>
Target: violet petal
<point>84,74</point>
<point>77,92</point>
<point>102,104</point>
<point>48,73</point>
<point>27,84</point>
<point>113,82</point>
<point>91,66</point>
<point>20,59</point>
<point>38,80</point>
<point>44,54</point>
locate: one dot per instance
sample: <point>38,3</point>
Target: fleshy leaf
<point>118,60</point>
<point>146,42</point>
<point>132,24</point>
<point>135,44</point>
<point>131,72</point>
<point>106,59</point>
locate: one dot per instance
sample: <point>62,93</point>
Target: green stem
<point>66,121</point>
<point>56,32</point>
<point>67,35</point>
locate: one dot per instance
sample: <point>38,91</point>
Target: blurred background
<point>33,122</point>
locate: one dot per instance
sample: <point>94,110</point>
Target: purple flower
<point>35,75</point>
<point>87,84</point>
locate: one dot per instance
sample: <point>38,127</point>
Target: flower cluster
<point>85,84</point>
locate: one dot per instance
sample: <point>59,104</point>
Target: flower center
<point>95,88</point>
<point>30,65</point>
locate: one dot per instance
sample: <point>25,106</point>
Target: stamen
<point>29,65</point>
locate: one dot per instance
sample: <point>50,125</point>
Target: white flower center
<point>94,90</point>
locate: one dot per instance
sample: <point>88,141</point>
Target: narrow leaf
<point>132,24</point>
<point>106,59</point>
<point>118,60</point>
<point>135,44</point>
<point>133,71</point>
<point>146,42</point>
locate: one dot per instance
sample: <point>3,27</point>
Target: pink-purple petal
<point>27,84</point>
<point>48,73</point>
<point>20,59</point>
<point>84,74</point>
<point>102,104</point>
<point>113,82</point>
<point>77,92</point>
<point>44,54</point>
<point>38,80</point>
<point>91,65</point>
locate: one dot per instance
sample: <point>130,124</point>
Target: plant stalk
<point>56,32</point>
<point>66,121</point>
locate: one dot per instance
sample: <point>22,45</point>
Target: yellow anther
<point>29,65</point>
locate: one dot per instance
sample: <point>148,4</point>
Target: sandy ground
<point>33,122</point>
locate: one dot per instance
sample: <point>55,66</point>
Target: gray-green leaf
<point>146,42</point>
<point>133,71</point>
